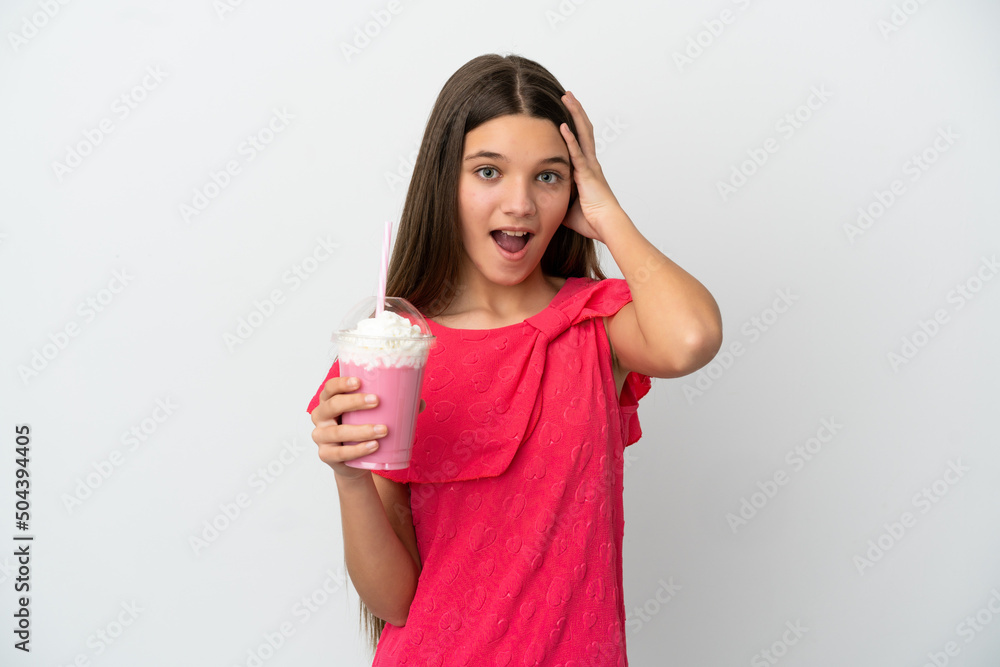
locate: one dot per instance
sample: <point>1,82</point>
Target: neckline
<point>551,304</point>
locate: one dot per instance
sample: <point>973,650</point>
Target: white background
<point>674,130</point>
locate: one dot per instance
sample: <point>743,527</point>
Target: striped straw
<point>386,239</point>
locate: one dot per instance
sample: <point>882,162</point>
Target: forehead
<point>517,136</point>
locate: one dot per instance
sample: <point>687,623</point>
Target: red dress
<point>516,492</point>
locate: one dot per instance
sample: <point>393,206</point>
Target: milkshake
<point>388,353</point>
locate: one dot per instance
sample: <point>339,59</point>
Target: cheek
<point>469,206</point>
<point>556,205</point>
<point>472,200</point>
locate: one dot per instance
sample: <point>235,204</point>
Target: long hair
<point>428,252</point>
<point>427,255</point>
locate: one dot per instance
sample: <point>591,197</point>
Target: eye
<point>487,173</point>
<point>549,177</point>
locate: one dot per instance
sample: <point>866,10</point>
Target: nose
<point>518,200</point>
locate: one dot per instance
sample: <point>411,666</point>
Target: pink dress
<point>516,492</point>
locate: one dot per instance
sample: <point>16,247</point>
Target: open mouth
<point>511,242</point>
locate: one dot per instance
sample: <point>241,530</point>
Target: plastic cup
<point>392,368</point>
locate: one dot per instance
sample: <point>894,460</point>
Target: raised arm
<point>673,326</point>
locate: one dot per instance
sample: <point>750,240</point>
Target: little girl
<point>501,544</point>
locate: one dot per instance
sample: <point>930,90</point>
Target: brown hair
<point>428,251</point>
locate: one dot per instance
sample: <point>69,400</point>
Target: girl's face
<point>515,176</point>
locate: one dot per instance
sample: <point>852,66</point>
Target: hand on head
<point>595,203</point>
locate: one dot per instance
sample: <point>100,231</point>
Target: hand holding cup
<point>341,395</point>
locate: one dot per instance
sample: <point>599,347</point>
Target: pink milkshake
<point>388,353</point>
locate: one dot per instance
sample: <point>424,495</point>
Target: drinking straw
<point>386,238</point>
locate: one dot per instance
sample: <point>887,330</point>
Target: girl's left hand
<point>595,204</point>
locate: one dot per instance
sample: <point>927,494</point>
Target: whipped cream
<point>386,340</point>
<point>387,324</point>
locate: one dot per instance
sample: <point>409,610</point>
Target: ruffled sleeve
<point>636,386</point>
<point>604,298</point>
<point>595,298</point>
<point>333,373</point>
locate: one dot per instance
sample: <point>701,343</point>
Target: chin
<point>509,278</point>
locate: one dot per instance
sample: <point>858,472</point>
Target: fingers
<point>335,434</point>
<point>575,152</point>
<point>334,454</point>
<point>335,400</point>
<point>338,385</point>
<point>575,107</point>
<point>584,128</point>
<point>582,146</point>
<point>331,438</point>
<point>584,167</point>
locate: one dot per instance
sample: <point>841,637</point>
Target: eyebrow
<point>490,155</point>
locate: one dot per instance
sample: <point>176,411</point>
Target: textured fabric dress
<point>516,492</point>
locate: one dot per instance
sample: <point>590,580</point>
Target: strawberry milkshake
<point>387,352</point>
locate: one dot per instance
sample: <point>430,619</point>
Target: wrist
<point>352,478</point>
<point>615,224</point>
